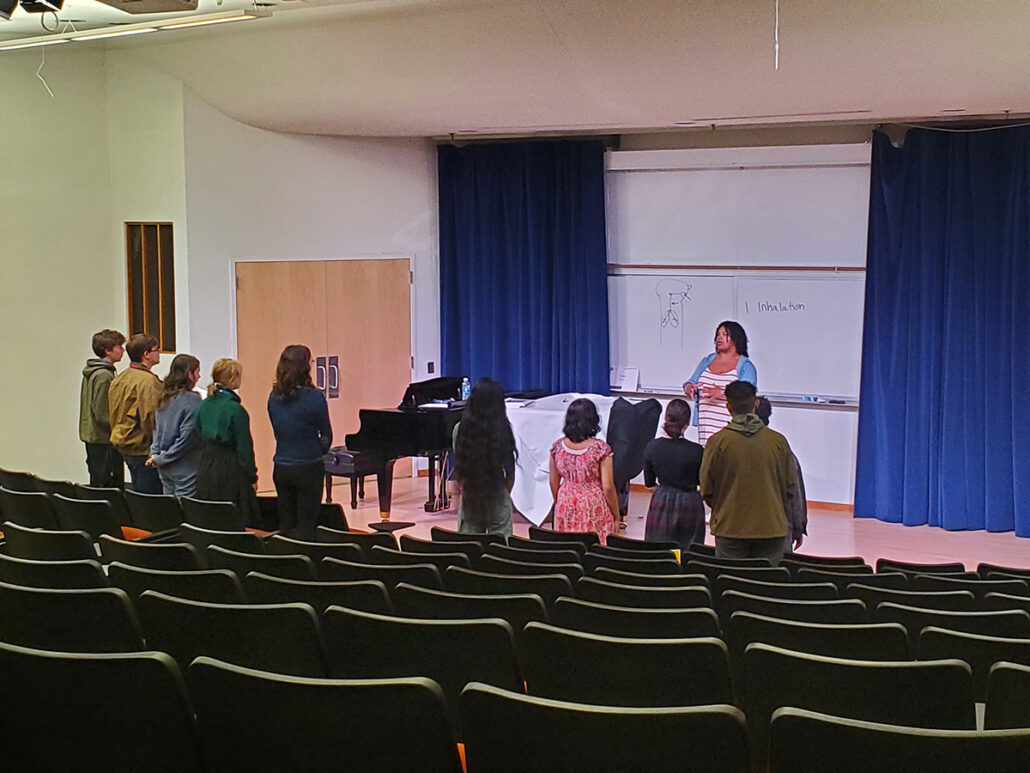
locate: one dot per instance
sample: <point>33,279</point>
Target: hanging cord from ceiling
<point>39,71</point>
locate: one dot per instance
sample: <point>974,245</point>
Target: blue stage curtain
<point>946,350</point>
<point>523,265</point>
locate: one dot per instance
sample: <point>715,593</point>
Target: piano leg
<point>384,482</point>
<point>434,503</point>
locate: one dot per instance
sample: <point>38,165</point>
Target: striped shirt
<point>712,415</point>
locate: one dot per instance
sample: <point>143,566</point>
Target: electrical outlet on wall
<point>430,367</point>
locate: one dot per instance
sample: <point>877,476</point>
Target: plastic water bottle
<point>466,388</point>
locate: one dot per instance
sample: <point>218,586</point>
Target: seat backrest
<point>1006,623</point>
<point>993,601</point>
<point>568,665</point>
<point>290,567</point>
<point>839,612</point>
<point>216,516</point>
<point>984,570</point>
<point>426,575</point>
<point>633,623</point>
<point>366,595</point>
<point>52,574</point>
<point>649,580</point>
<point>979,588</point>
<point>567,736</point>
<point>889,564</point>
<point>954,601</point>
<point>547,586</point>
<point>446,535</point>
<point>1008,697</point>
<point>534,556</point>
<point>279,545</point>
<point>617,595</point>
<point>628,543</point>
<point>32,510</point>
<point>760,573</point>
<point>592,561</point>
<point>450,652</point>
<point>586,538</point>
<point>170,556</point>
<point>93,620</point>
<point>153,512</point>
<point>47,545</point>
<point>535,544</point>
<point>201,539</point>
<point>63,487</point>
<point>794,565</point>
<point>646,555</point>
<point>895,580</point>
<point>803,558</point>
<point>407,728</point>
<point>699,550</point>
<point>95,517</point>
<point>284,638</point>
<point>113,496</point>
<point>980,652</point>
<point>363,539</point>
<point>798,591</point>
<point>470,548</point>
<point>75,711</point>
<point>497,565</point>
<point>217,586</point>
<point>810,742</point>
<point>381,555</point>
<point>18,481</point>
<point>935,693</point>
<point>517,608</point>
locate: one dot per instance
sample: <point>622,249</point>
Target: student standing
<point>102,460</point>
<point>133,398</point>
<point>176,445</point>
<point>676,512</point>
<point>300,421</point>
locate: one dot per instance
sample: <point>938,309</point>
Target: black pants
<point>299,489</point>
<point>731,547</point>
<point>105,466</point>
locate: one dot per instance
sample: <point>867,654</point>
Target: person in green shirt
<point>226,471</point>
<point>748,477</point>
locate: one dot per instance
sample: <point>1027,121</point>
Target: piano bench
<point>351,465</point>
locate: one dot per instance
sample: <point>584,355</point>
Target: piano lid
<point>420,392</point>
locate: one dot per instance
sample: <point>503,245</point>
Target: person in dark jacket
<point>226,471</point>
<point>103,461</point>
<point>797,511</point>
<point>300,420</point>
<point>673,463</point>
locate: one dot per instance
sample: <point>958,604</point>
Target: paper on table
<point>625,379</point>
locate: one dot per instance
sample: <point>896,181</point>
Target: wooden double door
<point>354,315</point>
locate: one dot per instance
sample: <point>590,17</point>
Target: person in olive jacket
<point>104,463</point>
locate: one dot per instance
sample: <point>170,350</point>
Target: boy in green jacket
<point>102,460</point>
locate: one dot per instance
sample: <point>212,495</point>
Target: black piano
<point>409,430</point>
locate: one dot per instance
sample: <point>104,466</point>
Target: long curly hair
<point>484,450</point>
<point>293,372</point>
<point>178,378</point>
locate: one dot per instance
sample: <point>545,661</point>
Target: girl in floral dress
<point>581,475</point>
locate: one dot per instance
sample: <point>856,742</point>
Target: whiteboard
<point>804,331</point>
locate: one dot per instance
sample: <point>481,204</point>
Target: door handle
<point>320,373</point>
<point>334,376</point>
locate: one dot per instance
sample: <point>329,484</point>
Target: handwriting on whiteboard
<point>774,307</point>
<point>672,294</point>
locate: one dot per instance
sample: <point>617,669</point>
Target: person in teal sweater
<point>226,472</point>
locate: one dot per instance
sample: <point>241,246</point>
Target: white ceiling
<point>436,67</point>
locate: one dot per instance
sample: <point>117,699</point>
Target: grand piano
<point>409,430</point>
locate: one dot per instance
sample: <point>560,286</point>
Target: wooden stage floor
<point>831,532</point>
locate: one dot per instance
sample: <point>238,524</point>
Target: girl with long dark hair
<point>485,462</point>
<point>582,479</point>
<point>673,463</point>
<point>300,420</point>
<point>176,447</point>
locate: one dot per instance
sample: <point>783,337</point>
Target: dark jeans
<point>106,469</point>
<point>731,547</point>
<point>299,490</point>
<point>145,480</point>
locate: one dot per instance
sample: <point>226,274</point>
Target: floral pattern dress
<point>581,504</point>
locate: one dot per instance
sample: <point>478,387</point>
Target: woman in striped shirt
<point>729,362</point>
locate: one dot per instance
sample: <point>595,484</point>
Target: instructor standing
<point>729,362</point>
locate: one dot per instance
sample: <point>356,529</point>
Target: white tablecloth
<point>536,424</point>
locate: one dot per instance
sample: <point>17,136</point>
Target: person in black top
<point>676,512</point>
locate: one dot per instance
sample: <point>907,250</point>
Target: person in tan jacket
<point>133,398</point>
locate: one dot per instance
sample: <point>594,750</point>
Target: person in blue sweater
<point>300,421</point>
<point>176,446</point>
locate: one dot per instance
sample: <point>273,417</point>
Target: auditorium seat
<point>290,567</point>
<point>995,601</point>
<point>447,535</point>
<point>363,539</point>
<point>618,595</point>
<point>95,517</point>
<point>400,724</point>
<point>388,557</point>
<point>650,580</point>
<point>169,556</point>
<point>566,736</point>
<point>18,481</point>
<point>842,579</point>
<point>153,512</point>
<point>47,545</point>
<point>633,554</point>
<point>794,563</point>
<point>833,612</point>
<point>951,601</point>
<point>52,574</point>
<point>95,712</point>
<point>980,652</point>
<point>1008,697</point>
<point>760,573</point>
<point>810,742</point>
<point>424,574</point>
<point>984,570</point>
<point>366,595</point>
<point>31,510</point>
<point>279,545</point>
<point>496,565</point>
<point>113,496</point>
<point>214,516</point>
<point>470,548</point>
<point>798,591</point>
<point>593,561</point>
<point>217,586</point>
<point>931,582</point>
<point>633,623</point>
<point>568,665</point>
<point>1006,623</point>
<point>283,638</point>
<point>526,555</point>
<point>547,586</point>
<point>547,544</point>
<point>586,538</point>
<point>890,564</point>
<point>202,539</point>
<point>628,543</point>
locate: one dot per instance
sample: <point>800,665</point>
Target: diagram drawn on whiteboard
<point>672,296</point>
